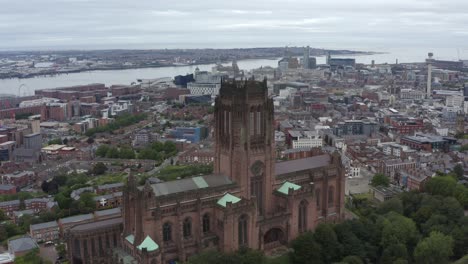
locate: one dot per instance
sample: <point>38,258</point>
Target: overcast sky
<point>359,24</point>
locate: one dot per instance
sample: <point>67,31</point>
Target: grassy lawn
<point>109,178</point>
<point>171,173</point>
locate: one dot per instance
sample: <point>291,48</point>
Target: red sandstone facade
<point>249,201</point>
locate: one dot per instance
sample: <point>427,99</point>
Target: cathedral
<point>250,200</point>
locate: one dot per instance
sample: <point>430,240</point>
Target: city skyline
<point>363,24</point>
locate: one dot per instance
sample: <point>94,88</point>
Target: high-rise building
<point>429,62</point>
<point>305,60</point>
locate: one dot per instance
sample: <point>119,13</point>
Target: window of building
<point>252,124</point>
<point>258,122</point>
<point>331,197</point>
<point>303,216</point>
<point>256,189</point>
<point>167,232</point>
<point>187,227</point>
<point>317,198</point>
<point>243,229</point>
<point>206,223</point>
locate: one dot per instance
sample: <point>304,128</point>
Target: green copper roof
<point>228,198</point>
<point>131,239</point>
<point>200,182</point>
<point>288,185</point>
<point>149,244</point>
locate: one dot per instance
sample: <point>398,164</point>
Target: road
<point>48,253</point>
<point>165,163</point>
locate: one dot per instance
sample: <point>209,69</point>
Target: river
<point>12,86</point>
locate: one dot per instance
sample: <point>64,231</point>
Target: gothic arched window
<point>331,196</point>
<point>243,230</point>
<point>167,232</point>
<point>317,198</point>
<point>206,223</point>
<point>187,227</point>
<point>303,216</point>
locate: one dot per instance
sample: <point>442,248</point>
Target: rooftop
<point>110,186</point>
<point>53,147</point>
<point>76,218</point>
<point>228,198</point>
<point>21,244</point>
<point>288,185</point>
<point>108,212</point>
<point>98,224</point>
<point>189,184</point>
<point>130,238</point>
<point>149,244</point>
<point>18,174</point>
<point>44,225</point>
<point>6,187</point>
<point>286,167</point>
<point>13,202</point>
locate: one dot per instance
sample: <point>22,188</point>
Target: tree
<point>306,250</point>
<point>248,256</point>
<point>211,256</point>
<point>148,153</point>
<point>65,141</point>
<point>464,148</point>
<point>460,236</point>
<point>56,141</point>
<point>99,168</point>
<point>393,205</point>
<point>3,216</point>
<point>380,180</point>
<point>352,260</point>
<point>32,257</point>
<point>243,256</point>
<point>61,250</point>
<point>458,170</point>
<point>398,229</point>
<point>394,252</point>
<point>441,185</point>
<point>3,233</point>
<point>326,237</point>
<point>461,194</point>
<point>352,245</point>
<point>86,202</point>
<point>90,140</point>
<point>126,153</point>
<point>102,150</point>
<point>435,249</point>
<point>112,153</point>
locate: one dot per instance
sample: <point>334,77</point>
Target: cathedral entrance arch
<point>274,235</point>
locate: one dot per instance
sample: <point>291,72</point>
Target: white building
<point>204,88</point>
<point>36,102</point>
<point>205,83</point>
<point>411,94</point>
<point>354,172</point>
<point>309,139</point>
<point>454,100</point>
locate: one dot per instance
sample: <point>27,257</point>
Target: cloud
<point>240,23</point>
<point>243,12</point>
<point>170,13</point>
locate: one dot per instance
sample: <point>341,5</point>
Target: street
<point>48,253</point>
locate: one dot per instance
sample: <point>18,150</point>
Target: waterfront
<point>12,86</point>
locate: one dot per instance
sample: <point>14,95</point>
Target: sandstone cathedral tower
<point>249,201</point>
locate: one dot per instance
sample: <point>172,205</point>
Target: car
<point>48,243</point>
